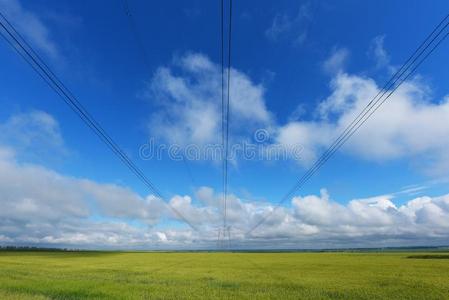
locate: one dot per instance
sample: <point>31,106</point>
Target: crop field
<point>153,275</point>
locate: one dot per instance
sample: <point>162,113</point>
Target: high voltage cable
<point>32,58</point>
<point>144,54</point>
<point>391,83</point>
<point>222,103</point>
<point>354,124</point>
<point>225,176</point>
<point>368,111</point>
<point>225,111</point>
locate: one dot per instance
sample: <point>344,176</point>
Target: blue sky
<point>300,71</point>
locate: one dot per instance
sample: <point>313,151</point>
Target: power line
<point>347,133</point>
<point>224,232</point>
<point>228,109</point>
<point>144,55</point>
<point>368,111</point>
<point>32,58</point>
<point>222,108</point>
<point>357,122</point>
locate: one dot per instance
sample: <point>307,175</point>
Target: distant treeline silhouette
<point>28,248</point>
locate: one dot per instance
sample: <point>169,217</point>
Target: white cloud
<point>346,89</point>
<point>199,214</point>
<point>409,125</point>
<point>43,207</point>
<point>189,99</point>
<point>376,218</point>
<point>121,202</point>
<point>317,221</point>
<point>292,28</point>
<point>34,134</point>
<point>336,61</point>
<point>206,196</point>
<point>305,134</point>
<point>30,26</point>
<point>319,210</point>
<point>32,192</point>
<point>378,52</point>
<point>39,205</point>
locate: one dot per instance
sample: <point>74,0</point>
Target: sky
<point>150,74</point>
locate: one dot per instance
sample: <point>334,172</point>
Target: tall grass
<point>117,275</point>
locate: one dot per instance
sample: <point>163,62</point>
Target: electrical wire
<point>367,112</point>
<point>32,58</point>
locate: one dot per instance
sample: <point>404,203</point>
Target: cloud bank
<point>43,207</point>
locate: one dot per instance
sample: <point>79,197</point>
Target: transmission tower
<point>224,238</point>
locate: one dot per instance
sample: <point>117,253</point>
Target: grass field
<point>116,275</point>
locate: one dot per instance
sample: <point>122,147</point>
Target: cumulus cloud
<point>40,206</point>
<point>410,124</point>
<point>295,28</point>
<point>33,192</point>
<point>375,221</point>
<point>320,221</point>
<point>43,207</point>
<point>30,25</point>
<point>188,95</point>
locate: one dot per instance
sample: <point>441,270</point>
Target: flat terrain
<point>116,275</point>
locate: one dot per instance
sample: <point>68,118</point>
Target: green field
<point>134,275</point>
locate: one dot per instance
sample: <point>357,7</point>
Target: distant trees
<point>29,248</point>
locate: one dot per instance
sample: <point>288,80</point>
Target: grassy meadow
<point>140,275</point>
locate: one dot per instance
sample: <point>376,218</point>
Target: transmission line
<point>224,232</point>
<point>225,111</point>
<point>228,103</point>
<point>392,85</point>
<point>15,40</point>
<point>222,107</point>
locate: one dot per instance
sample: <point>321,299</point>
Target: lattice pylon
<point>224,237</point>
